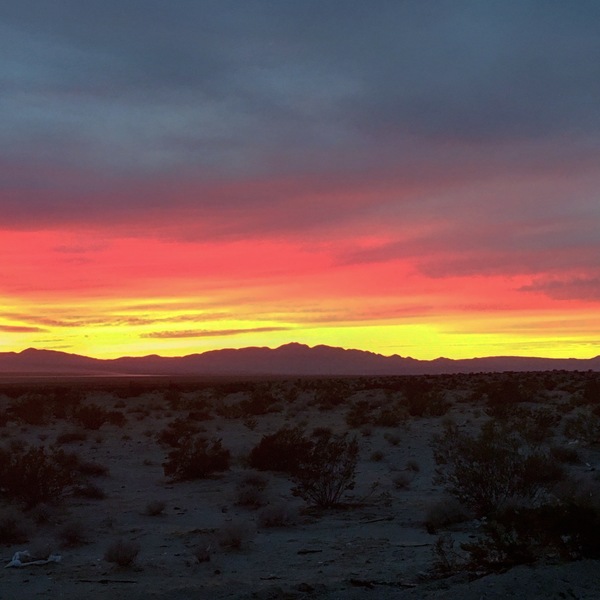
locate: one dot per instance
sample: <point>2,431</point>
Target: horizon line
<point>293,343</point>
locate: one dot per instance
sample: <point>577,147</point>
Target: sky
<point>412,177</point>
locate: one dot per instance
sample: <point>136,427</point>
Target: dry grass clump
<point>251,491</point>
<point>448,511</point>
<point>89,490</point>
<point>403,480</point>
<point>392,438</point>
<point>202,553</point>
<point>14,528</point>
<point>413,465</point>
<point>155,508</point>
<point>122,552</point>
<point>92,469</point>
<point>377,456</point>
<point>196,458</point>
<point>69,437</point>
<point>232,536</point>
<point>72,534</point>
<point>277,515</point>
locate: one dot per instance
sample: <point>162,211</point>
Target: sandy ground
<point>374,547</point>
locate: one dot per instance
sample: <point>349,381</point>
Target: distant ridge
<point>291,359</point>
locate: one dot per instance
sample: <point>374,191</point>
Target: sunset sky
<point>416,177</point>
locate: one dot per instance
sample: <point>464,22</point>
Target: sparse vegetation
<point>34,474</point>
<point>195,458</point>
<point>155,508</point>
<point>13,527</point>
<point>327,471</point>
<point>73,534</point>
<point>277,515</point>
<point>490,468</point>
<point>232,536</point>
<point>284,451</point>
<point>122,552</point>
<point>517,479</point>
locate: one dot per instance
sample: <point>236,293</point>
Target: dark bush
<point>196,458</point>
<point>92,469</point>
<point>93,416</point>
<point>32,409</point>
<point>13,527</point>
<point>176,431</point>
<point>90,491</point>
<point>72,534</point>
<point>122,552</point>
<point>487,470</point>
<point>327,470</point>
<point>68,437</point>
<point>282,451</point>
<point>523,535</point>
<point>359,414</point>
<point>34,475</point>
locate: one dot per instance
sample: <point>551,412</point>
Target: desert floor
<point>375,545</point>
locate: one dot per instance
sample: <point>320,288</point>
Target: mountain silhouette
<point>291,359</point>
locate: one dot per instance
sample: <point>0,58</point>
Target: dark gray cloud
<point>110,109</point>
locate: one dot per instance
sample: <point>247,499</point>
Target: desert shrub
<point>13,527</point>
<point>64,400</point>
<point>176,431</point>
<point>41,514</point>
<point>523,535</point>
<point>320,431</point>
<point>281,451</point>
<point>232,536</point>
<point>422,400</point>
<point>89,490</point>
<point>327,471</point>
<point>250,423</point>
<point>413,465</point>
<point>277,515</point>
<point>254,479</point>
<point>250,491</point>
<point>391,416</point>
<point>392,438</point>
<point>503,394</point>
<point>565,454</point>
<point>155,508</point>
<point>536,426</point>
<point>377,456</point>
<point>330,394</point>
<point>359,414</point>
<point>32,409</point>
<point>92,469</point>
<point>92,416</point>
<point>261,402</point>
<point>122,552</point>
<point>202,553</point>
<point>446,558</point>
<point>68,437</point>
<point>195,458</point>
<point>34,474</point>
<point>73,533</point>
<point>403,480</point>
<point>445,513</point>
<point>486,470</point>
<point>583,427</point>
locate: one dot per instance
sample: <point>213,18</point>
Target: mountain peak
<point>293,359</point>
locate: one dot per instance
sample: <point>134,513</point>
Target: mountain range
<point>291,359</point>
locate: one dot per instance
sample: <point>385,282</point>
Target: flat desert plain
<point>160,488</point>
